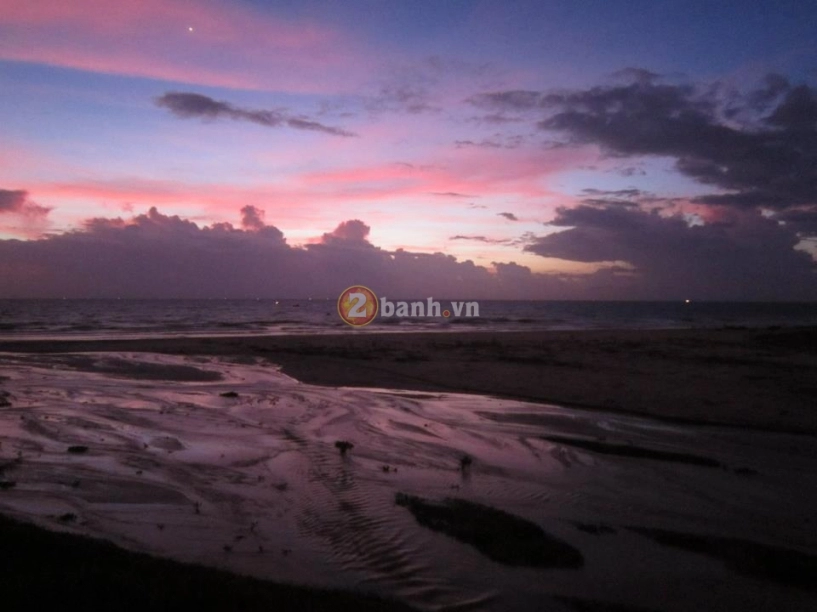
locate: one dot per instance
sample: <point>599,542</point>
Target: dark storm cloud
<point>797,111</point>
<point>744,255</point>
<point>774,86</point>
<point>801,220</point>
<point>16,201</point>
<point>508,216</point>
<point>192,105</point>
<point>759,147</point>
<point>161,256</point>
<point>771,162</point>
<point>757,151</point>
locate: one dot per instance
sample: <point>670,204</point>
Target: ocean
<point>58,318</point>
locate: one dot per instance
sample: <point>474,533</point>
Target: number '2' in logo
<point>357,306</point>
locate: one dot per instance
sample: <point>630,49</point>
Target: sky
<point>467,148</point>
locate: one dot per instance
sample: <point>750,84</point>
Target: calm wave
<point>140,318</point>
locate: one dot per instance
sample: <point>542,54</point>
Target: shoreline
<point>199,450</point>
<point>754,378</point>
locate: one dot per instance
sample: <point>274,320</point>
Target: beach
<point>758,378</point>
<point>583,470</point>
<point>434,306</point>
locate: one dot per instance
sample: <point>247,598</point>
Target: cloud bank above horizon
<point>138,134</point>
<point>160,256</point>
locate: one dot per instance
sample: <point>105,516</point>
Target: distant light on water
<point>67,318</point>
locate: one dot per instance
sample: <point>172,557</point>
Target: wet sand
<point>203,451</point>
<point>764,379</point>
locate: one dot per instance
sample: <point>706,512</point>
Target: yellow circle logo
<point>357,306</point>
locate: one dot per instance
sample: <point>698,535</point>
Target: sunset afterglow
<point>567,143</point>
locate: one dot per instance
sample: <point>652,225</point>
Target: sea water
<point>156,318</point>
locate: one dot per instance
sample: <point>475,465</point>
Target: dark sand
<point>760,379</point>
<point>61,571</point>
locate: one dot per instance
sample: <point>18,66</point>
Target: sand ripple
<point>235,465</point>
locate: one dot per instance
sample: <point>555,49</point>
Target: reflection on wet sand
<point>236,465</point>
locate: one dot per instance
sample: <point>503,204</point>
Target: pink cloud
<point>15,201</point>
<point>353,231</point>
<point>20,216</point>
<point>522,172</point>
<point>252,218</point>
<point>229,45</point>
<point>286,206</point>
<point>379,192</point>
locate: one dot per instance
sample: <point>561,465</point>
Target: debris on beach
<point>343,446</point>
